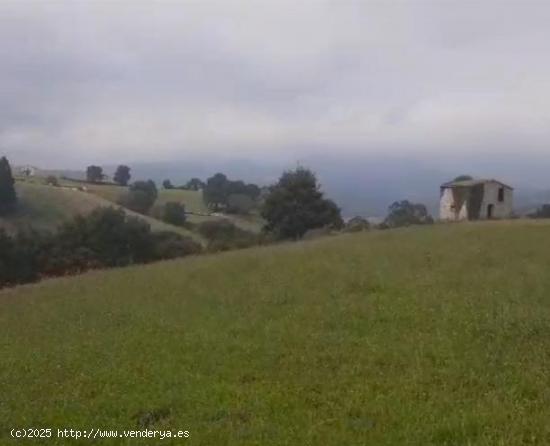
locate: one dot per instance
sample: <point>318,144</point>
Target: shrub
<point>405,213</point>
<point>113,238</point>
<point>222,235</point>
<point>8,197</point>
<point>141,197</point>
<point>122,175</point>
<point>169,245</point>
<point>541,212</point>
<point>357,224</point>
<point>174,213</point>
<point>104,238</point>
<point>52,181</point>
<point>239,204</point>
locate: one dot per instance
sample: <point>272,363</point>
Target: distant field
<point>192,200</point>
<point>45,207</point>
<point>423,336</point>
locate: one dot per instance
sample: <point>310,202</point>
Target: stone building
<point>475,200</point>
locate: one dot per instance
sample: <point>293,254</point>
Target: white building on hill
<point>475,200</point>
<point>25,171</point>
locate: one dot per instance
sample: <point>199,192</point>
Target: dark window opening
<point>501,194</point>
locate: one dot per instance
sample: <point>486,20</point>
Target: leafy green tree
<point>167,184</point>
<point>239,204</point>
<point>94,174</point>
<point>112,238</point>
<point>104,238</point>
<point>174,213</point>
<point>141,196</point>
<point>253,191</point>
<point>219,188</point>
<point>169,245</point>
<point>216,191</point>
<point>222,235</point>
<point>405,213</point>
<point>122,175</point>
<point>463,178</point>
<point>52,180</point>
<point>195,184</point>
<point>295,205</point>
<point>357,224</point>
<point>8,196</point>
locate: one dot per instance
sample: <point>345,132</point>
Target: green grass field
<point>191,199</point>
<point>45,207</point>
<point>424,336</point>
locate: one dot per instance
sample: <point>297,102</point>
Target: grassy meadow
<point>192,200</point>
<point>423,336</point>
<point>44,208</point>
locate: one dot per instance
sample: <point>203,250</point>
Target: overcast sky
<point>113,81</point>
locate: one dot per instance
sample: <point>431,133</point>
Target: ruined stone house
<point>475,200</point>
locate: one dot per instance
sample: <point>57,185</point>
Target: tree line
<point>106,237</point>
<point>291,208</point>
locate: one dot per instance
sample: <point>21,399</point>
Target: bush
<point>312,234</point>
<point>222,235</point>
<point>52,181</point>
<point>8,196</point>
<point>141,197</point>
<point>174,213</point>
<point>405,213</point>
<point>239,204</point>
<point>542,212</point>
<point>169,245</point>
<point>357,224</point>
<point>122,175</point>
<point>104,238</point>
<point>113,238</point>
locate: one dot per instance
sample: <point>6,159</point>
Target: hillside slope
<point>423,336</point>
<point>46,207</point>
<point>191,199</point>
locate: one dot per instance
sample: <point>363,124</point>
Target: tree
<point>122,175</point>
<point>141,196</point>
<point>169,245</point>
<point>222,235</point>
<point>405,213</point>
<point>167,184</point>
<point>357,224</point>
<point>8,196</point>
<point>239,204</point>
<point>195,184</point>
<point>111,238</point>
<point>541,212</point>
<point>174,213</point>
<point>106,237</point>
<point>52,180</point>
<point>94,174</point>
<point>295,204</point>
<point>463,178</point>
<point>253,191</point>
<point>216,191</point>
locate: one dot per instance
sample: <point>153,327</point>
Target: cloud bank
<point>111,81</point>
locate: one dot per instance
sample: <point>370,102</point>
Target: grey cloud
<point>156,79</point>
